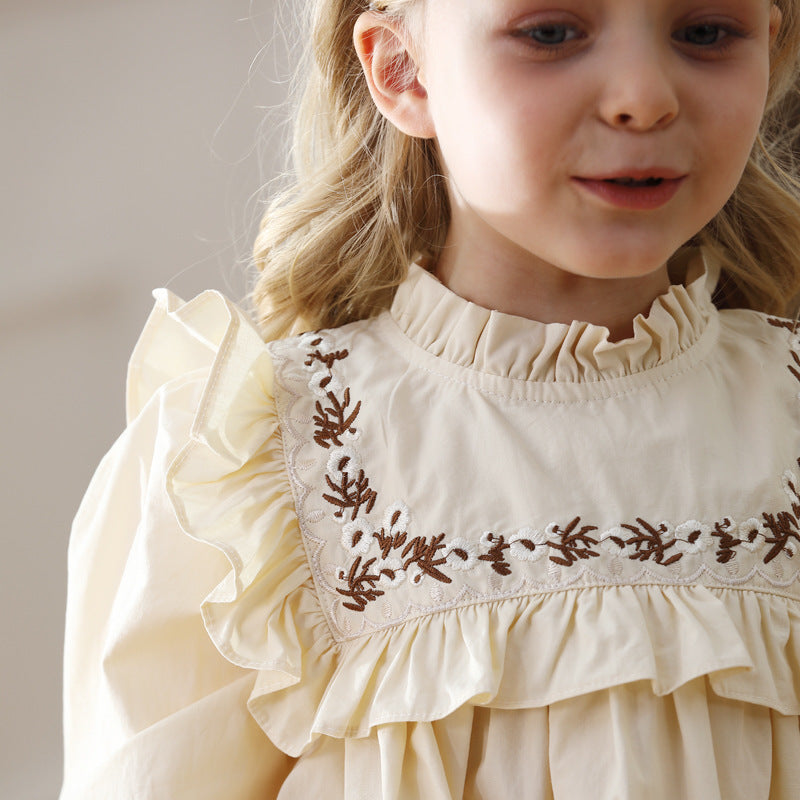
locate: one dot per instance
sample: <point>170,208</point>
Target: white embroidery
<point>396,519</point>
<point>322,382</point>
<point>391,572</point>
<point>343,460</point>
<point>351,436</point>
<point>357,536</point>
<point>487,539</point>
<point>312,339</point>
<point>415,574</point>
<point>461,554</point>
<point>749,533</point>
<point>528,544</point>
<point>693,537</point>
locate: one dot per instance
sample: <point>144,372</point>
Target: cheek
<point>732,114</point>
<point>501,142</point>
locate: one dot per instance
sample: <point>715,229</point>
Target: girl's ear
<point>775,19</point>
<point>392,74</point>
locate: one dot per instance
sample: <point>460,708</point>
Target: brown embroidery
<point>388,542</point>
<point>793,369</point>
<point>414,558</point>
<point>327,359</point>
<point>788,324</point>
<point>425,555</point>
<point>728,542</point>
<point>362,579</point>
<point>648,542</point>
<point>783,526</point>
<point>794,490</point>
<point>496,556</point>
<point>361,584</point>
<point>574,545</point>
<point>350,493</point>
<point>335,420</point>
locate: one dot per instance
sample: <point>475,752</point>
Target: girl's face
<point>545,110</point>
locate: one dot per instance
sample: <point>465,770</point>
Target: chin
<point>619,266</point>
<point>623,252</point>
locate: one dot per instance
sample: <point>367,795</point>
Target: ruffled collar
<point>463,333</point>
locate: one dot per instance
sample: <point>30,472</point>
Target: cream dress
<point>443,553</point>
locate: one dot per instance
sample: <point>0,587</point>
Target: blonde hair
<point>367,199</point>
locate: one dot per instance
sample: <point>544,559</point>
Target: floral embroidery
<point>357,536</point>
<point>649,542</point>
<point>574,544</point>
<point>349,493</point>
<point>784,529</point>
<point>748,533</point>
<point>495,554</point>
<point>335,421</point>
<point>368,579</point>
<point>361,580</point>
<point>384,558</point>
<point>792,328</point>
<point>528,545</point>
<point>461,554</point>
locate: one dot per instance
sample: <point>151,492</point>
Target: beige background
<point>129,160</point>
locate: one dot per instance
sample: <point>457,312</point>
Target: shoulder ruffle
<point>229,487</point>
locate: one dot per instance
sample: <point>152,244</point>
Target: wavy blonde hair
<point>367,199</point>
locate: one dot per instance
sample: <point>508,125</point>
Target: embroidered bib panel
<point>422,486</point>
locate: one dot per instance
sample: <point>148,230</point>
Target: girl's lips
<point>635,197</point>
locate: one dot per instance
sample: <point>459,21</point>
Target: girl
<point>521,519</point>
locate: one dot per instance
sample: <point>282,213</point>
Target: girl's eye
<point>550,35</point>
<point>701,35</point>
<point>704,34</point>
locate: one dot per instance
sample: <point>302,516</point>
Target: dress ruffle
<point>229,488</point>
<point>501,344</point>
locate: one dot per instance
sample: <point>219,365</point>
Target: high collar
<point>461,332</point>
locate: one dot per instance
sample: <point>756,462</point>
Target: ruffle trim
<point>466,334</point>
<point>534,651</point>
<point>229,489</point>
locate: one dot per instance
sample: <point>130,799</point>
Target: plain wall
<point>130,160</point>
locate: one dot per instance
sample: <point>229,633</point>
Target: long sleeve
<point>151,708</point>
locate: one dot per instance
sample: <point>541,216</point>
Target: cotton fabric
<point>443,553</point>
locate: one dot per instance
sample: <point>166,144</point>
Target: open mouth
<point>634,182</point>
<point>636,194</point>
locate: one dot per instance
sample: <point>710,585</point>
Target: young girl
<point>509,506</point>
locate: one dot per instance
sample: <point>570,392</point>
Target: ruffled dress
<point>444,553</point>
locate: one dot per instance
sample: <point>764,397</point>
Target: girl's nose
<point>638,93</point>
